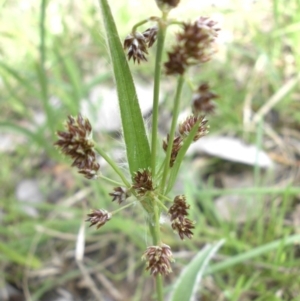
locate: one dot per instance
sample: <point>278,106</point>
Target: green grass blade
<point>272,246</point>
<point>137,145</point>
<point>186,286</point>
<point>18,258</point>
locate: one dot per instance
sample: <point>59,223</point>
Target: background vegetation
<point>53,62</point>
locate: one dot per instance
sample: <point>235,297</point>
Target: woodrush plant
<point>150,181</point>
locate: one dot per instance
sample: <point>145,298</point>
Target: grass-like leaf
<point>137,145</point>
<point>258,251</point>
<point>18,258</point>
<point>186,286</point>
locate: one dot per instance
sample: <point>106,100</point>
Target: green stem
<point>172,131</point>
<point>157,242</point>
<point>157,74</point>
<point>112,164</point>
<point>159,287</point>
<point>122,208</point>
<point>41,68</point>
<point>111,181</point>
<point>143,22</point>
<point>161,204</point>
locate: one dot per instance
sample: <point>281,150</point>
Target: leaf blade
<point>189,279</point>
<point>137,144</point>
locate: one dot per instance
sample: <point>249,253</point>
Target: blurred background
<point>242,180</point>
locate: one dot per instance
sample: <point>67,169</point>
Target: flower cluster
<point>184,129</point>
<point>98,217</point>
<point>137,43</point>
<point>186,126</point>
<point>120,194</point>
<point>77,143</point>
<point>158,259</point>
<point>176,146</point>
<point>178,213</point>
<point>167,4</point>
<point>202,102</point>
<point>193,46</point>
<point>142,182</point>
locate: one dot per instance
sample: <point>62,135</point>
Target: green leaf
<point>258,251</point>
<point>187,284</point>
<point>18,258</point>
<point>137,145</point>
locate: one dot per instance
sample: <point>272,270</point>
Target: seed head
<point>183,226</point>
<point>158,259</point>
<point>202,101</point>
<point>120,194</point>
<point>186,126</point>
<point>179,208</point>
<point>166,5</point>
<point>177,144</point>
<point>178,216</point>
<point>193,46</point>
<point>77,143</point>
<point>150,35</point>
<point>142,181</point>
<point>136,46</point>
<point>98,217</point>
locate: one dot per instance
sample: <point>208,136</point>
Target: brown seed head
<point>166,5</point>
<point>193,46</point>
<point>150,35</point>
<point>177,62</point>
<point>77,143</point>
<point>142,181</point>
<point>202,101</point>
<point>98,217</point>
<point>186,126</point>
<point>183,226</point>
<point>177,144</point>
<point>178,216</point>
<point>158,259</point>
<point>179,208</point>
<point>136,46</point>
<point>120,194</point>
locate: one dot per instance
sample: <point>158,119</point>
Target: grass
<point>51,71</point>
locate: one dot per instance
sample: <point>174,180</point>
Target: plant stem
<point>157,241</point>
<point>110,181</point>
<point>157,73</point>
<point>41,68</point>
<point>112,164</point>
<point>120,209</point>
<point>172,131</point>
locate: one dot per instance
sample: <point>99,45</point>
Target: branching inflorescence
<point>193,46</point>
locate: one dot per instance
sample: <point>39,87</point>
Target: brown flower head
<point>186,126</point>
<point>77,143</point>
<point>166,5</point>
<point>177,62</point>
<point>177,144</point>
<point>179,208</point>
<point>150,35</point>
<point>120,194</point>
<point>193,46</point>
<point>98,217</point>
<point>142,181</point>
<point>136,46</point>
<point>183,226</point>
<point>178,216</point>
<point>158,259</point>
<point>202,101</point>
